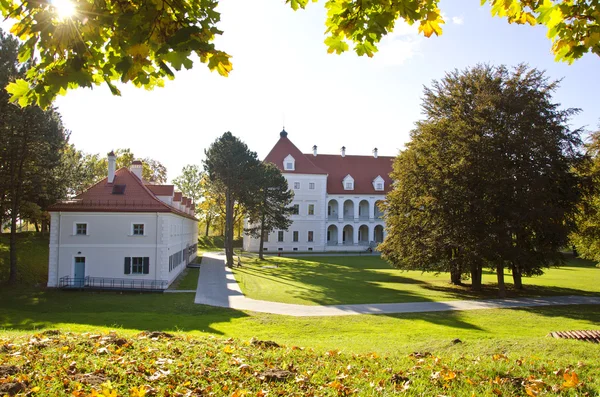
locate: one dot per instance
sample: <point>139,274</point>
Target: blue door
<point>79,275</point>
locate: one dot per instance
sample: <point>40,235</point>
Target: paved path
<point>217,287</point>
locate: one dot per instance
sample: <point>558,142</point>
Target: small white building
<point>121,233</point>
<point>336,200</point>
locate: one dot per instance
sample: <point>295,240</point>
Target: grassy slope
<point>369,279</point>
<point>124,365</point>
<point>26,310</point>
<point>32,257</point>
<point>187,280</point>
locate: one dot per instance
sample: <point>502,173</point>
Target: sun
<point>65,9</point>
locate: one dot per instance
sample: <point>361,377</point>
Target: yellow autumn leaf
<point>35,389</point>
<point>430,27</point>
<point>141,50</point>
<point>571,379</point>
<point>137,391</point>
<point>228,349</point>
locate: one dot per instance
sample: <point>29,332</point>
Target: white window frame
<point>313,209</point>
<point>379,183</point>
<point>310,236</point>
<point>295,236</point>
<point>297,185</point>
<point>289,163</point>
<point>298,206</point>
<point>87,228</point>
<point>348,182</point>
<point>133,229</point>
<point>311,186</point>
<point>280,236</point>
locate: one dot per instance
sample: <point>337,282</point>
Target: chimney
<point>112,164</point>
<point>315,150</point>
<point>375,152</point>
<point>136,168</point>
<point>343,151</point>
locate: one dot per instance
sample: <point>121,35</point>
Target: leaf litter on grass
<point>159,364</point>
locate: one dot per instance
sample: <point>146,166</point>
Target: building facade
<point>336,200</point>
<point>121,233</point>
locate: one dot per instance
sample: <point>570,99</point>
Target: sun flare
<point>65,9</point>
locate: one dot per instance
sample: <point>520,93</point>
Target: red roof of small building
<point>127,193</point>
<point>363,169</point>
<point>162,190</point>
<point>285,147</point>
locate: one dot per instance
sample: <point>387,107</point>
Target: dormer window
<point>378,183</point>
<point>348,183</point>
<point>289,163</point>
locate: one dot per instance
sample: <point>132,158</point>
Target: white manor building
<point>335,200</point>
<point>121,233</point>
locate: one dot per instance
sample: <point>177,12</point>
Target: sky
<point>283,76</point>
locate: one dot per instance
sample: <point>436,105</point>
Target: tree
<point>32,143</point>
<point>271,210</point>
<point>210,204</point>
<point>190,182</point>
<point>96,167</point>
<point>487,179</point>
<point>102,42</point>
<point>234,168</point>
<point>586,238</point>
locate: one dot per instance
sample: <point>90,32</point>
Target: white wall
<point>109,240</point>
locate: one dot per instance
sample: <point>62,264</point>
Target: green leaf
<point>19,91</point>
<point>337,44</point>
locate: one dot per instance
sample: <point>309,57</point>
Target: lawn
<point>187,280</point>
<point>329,280</point>
<point>32,257</point>
<point>114,364</point>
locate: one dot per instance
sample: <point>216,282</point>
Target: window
<point>138,229</point>
<point>348,182</point>
<point>310,248</point>
<point>119,189</point>
<point>311,185</point>
<point>349,185</point>
<point>81,229</point>
<point>265,249</point>
<point>266,236</point>
<point>137,265</point>
<point>311,209</point>
<point>178,258</point>
<point>296,185</point>
<point>279,249</point>
<point>379,186</point>
<point>296,209</point>
<point>289,163</point>
<point>295,236</point>
<point>295,248</point>
<point>280,236</point>
<point>310,236</point>
<point>378,183</point>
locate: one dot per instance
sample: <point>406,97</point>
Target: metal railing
<point>104,283</point>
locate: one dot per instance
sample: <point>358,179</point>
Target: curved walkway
<point>217,287</point>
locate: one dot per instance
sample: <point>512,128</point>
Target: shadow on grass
<point>30,309</point>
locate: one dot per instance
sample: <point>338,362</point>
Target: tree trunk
<point>517,277</point>
<point>476,272</point>
<point>208,220</point>
<point>37,226</point>
<point>44,226</point>
<point>12,279</point>
<point>455,274</point>
<point>262,236</point>
<point>501,285</point>
<point>229,228</point>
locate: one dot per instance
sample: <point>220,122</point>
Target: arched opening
<point>332,209</point>
<point>378,212</point>
<point>363,235</point>
<point>363,210</point>
<point>332,235</point>
<point>378,234</point>
<point>348,235</point>
<point>348,209</point>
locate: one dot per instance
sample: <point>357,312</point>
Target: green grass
<point>127,364</point>
<point>216,243</point>
<point>369,279</point>
<point>32,258</point>
<point>187,280</point>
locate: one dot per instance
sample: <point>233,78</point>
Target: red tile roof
<point>285,147</point>
<point>363,169</point>
<point>135,197</point>
<point>162,190</point>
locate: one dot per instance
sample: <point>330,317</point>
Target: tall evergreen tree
<point>271,210</point>
<point>234,168</point>
<point>487,179</point>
